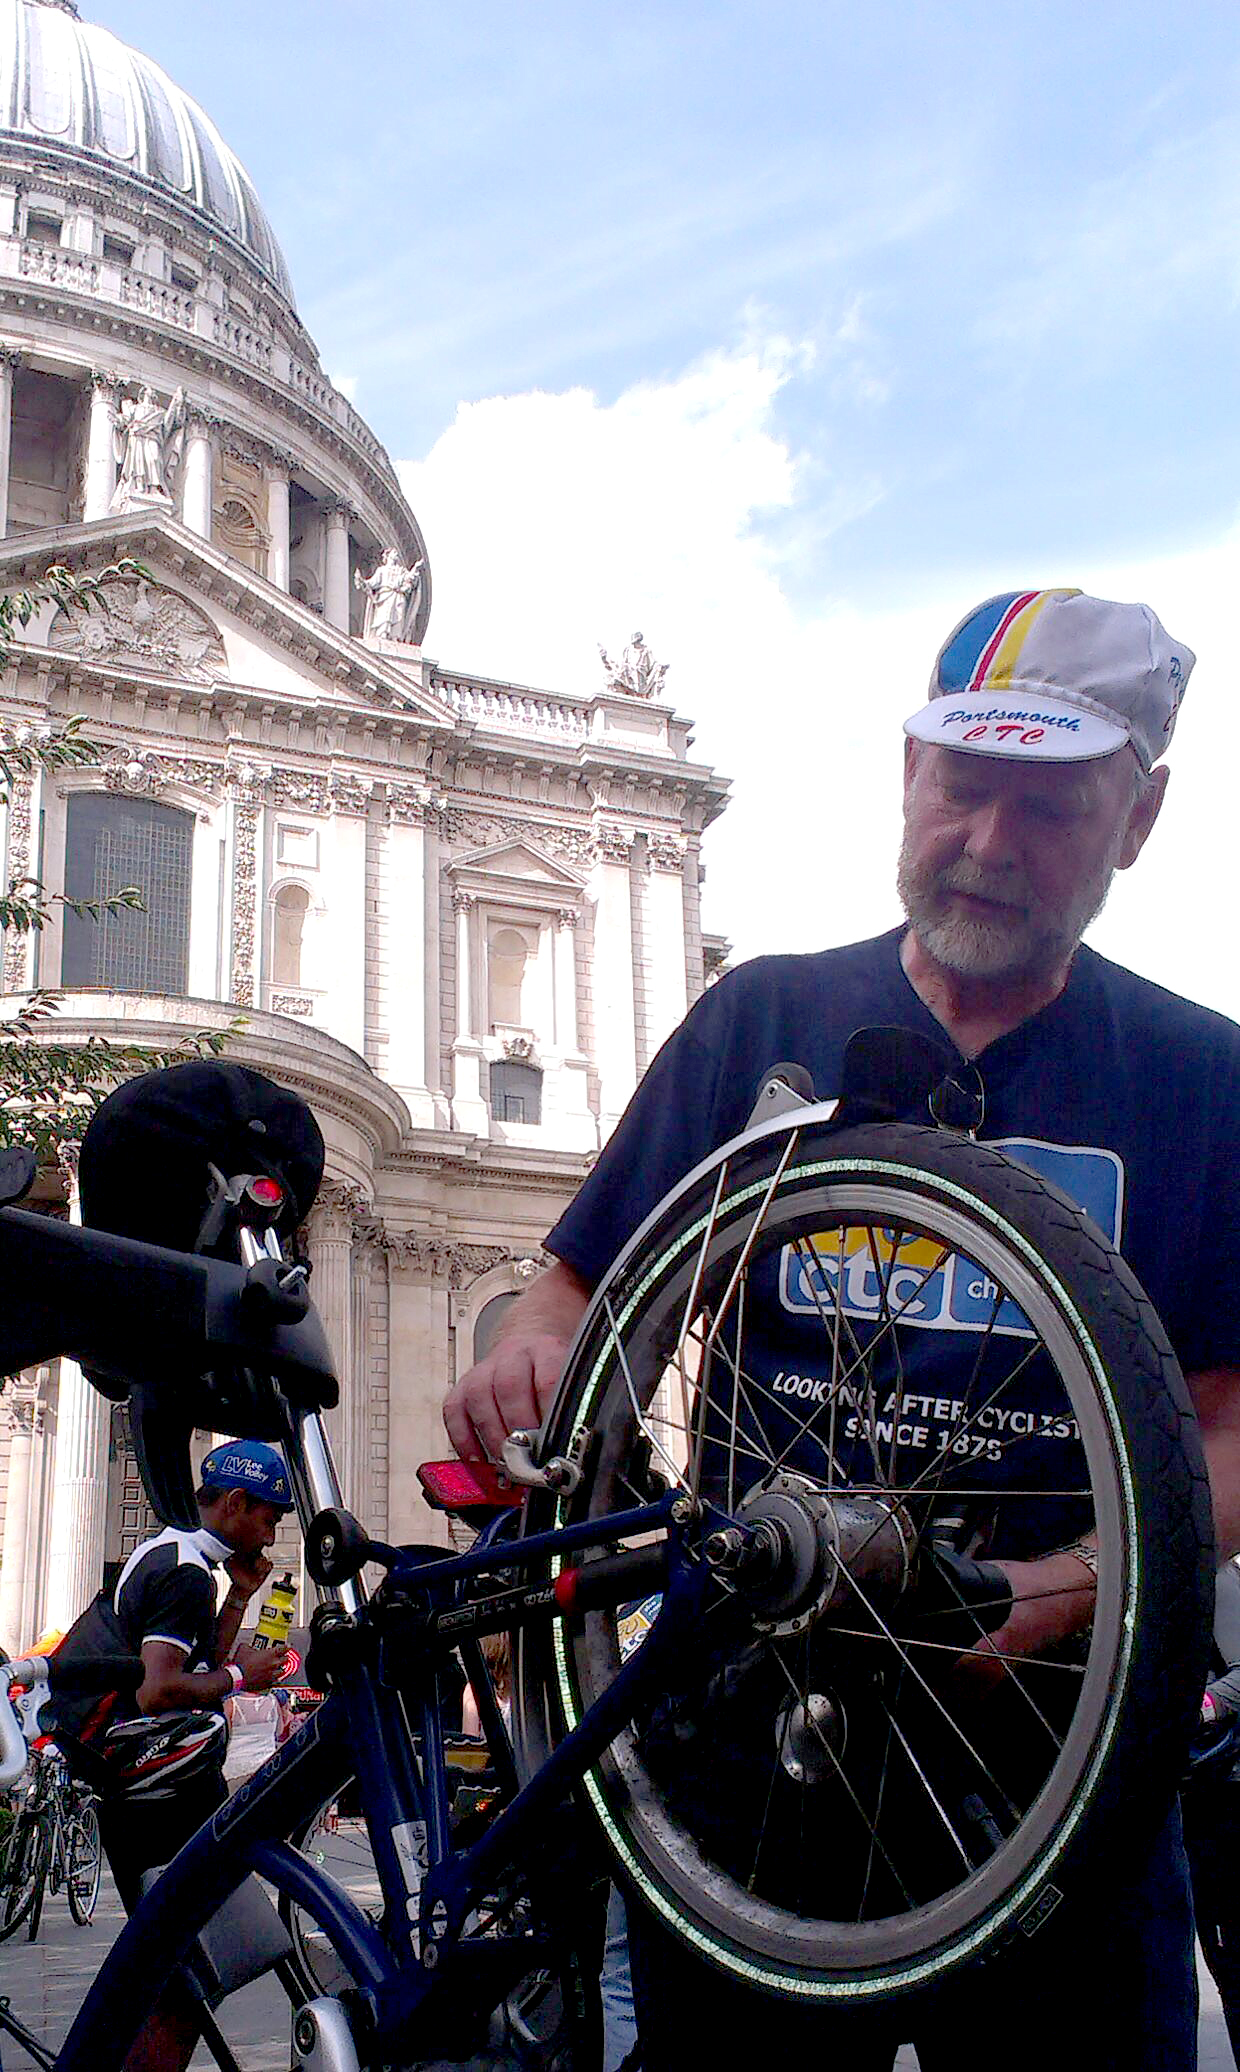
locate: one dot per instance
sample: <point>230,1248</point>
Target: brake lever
<point>275,1293</point>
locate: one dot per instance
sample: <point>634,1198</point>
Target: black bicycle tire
<point>32,1834</point>
<point>576,1979</point>
<point>42,1846</point>
<point>309,1982</point>
<point>85,1818</point>
<point>1171,1560</point>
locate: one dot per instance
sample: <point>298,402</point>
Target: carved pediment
<point>520,861</point>
<point>140,624</point>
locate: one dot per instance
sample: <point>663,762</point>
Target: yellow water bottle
<point>275,1620</point>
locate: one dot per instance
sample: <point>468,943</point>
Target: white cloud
<point>557,521</point>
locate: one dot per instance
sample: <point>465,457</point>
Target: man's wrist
<point>1084,1551</point>
<point>236,1677</point>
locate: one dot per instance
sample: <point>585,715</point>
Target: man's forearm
<point>554,1305</point>
<point>186,1690</point>
<point>1216,1395</point>
<point>228,1624</point>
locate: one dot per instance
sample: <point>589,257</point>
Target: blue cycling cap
<point>248,1464</point>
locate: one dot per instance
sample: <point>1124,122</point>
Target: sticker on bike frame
<point>872,1277</point>
<point>634,1621</point>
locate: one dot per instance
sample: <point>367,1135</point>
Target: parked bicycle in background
<point>50,1842</point>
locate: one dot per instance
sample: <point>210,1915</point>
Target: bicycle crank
<point>797,1553</point>
<point>322,2038</point>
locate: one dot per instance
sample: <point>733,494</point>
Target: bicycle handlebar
<point>87,1673</point>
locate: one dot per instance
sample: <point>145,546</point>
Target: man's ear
<point>1142,814</point>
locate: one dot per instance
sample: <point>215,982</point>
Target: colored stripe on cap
<point>984,652</point>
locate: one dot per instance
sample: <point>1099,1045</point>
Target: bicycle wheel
<point>23,1872</point>
<point>83,1861</point>
<point>336,1842</point>
<point>879,1343</point>
<point>549,2022</point>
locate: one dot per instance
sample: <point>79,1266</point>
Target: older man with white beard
<point>1030,777</point>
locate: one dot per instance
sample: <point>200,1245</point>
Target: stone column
<point>9,362</point>
<point>469,1109</point>
<point>565,954</point>
<point>16,1527</point>
<point>278,523</point>
<point>100,453</point>
<point>79,1487</point>
<point>331,1257</point>
<point>566,1104</point>
<point>198,478</point>
<point>356,1419</point>
<point>20,861</point>
<point>462,906</point>
<point>614,975</point>
<point>336,571</point>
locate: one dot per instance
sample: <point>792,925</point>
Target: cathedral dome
<point>71,88</point>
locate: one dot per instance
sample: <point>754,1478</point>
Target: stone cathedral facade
<point>458,915</point>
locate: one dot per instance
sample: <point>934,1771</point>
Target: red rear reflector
<point>268,1192</point>
<point>459,1485</point>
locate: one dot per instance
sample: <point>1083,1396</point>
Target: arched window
<point>112,842</point>
<point>488,1321</point>
<point>516,1091</point>
<point>288,921</point>
<point>508,954</point>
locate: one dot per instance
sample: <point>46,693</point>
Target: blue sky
<point>784,332</point>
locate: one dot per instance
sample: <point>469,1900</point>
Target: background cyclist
<point>1030,777</point>
<point>163,1747</point>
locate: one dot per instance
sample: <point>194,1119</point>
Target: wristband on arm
<point>237,1676</point>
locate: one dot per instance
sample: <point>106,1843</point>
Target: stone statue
<point>637,674</point>
<point>393,594</point>
<point>147,436</point>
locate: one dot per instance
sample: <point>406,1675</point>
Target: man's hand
<point>247,1573</point>
<point>1051,1599</point>
<point>511,1389</point>
<point>260,1667</point>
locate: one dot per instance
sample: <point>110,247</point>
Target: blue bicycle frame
<point>420,1974</point>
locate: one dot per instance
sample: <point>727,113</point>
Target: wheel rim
<point>24,1871</point>
<point>730,1917</point>
<point>339,1845</point>
<point>84,1855</point>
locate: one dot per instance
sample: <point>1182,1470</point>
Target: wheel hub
<point>799,1553</point>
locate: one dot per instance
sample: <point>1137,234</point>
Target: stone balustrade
<point>509,707</point>
<point>157,299</point>
<point>39,262</point>
<point>184,311</point>
<point>238,338</point>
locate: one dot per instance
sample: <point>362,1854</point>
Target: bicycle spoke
<point>929,1790</point>
<point>846,1782</point>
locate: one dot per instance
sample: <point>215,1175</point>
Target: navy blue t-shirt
<point>1122,1094</point>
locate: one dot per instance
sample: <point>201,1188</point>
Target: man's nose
<point>993,836</point>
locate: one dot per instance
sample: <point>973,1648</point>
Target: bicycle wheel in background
<point>550,2021</point>
<point>83,1860</point>
<point>22,1872</point>
<point>822,1802</point>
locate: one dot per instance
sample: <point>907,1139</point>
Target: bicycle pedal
<point>322,2039</point>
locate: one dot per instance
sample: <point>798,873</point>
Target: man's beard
<point>1028,942</point>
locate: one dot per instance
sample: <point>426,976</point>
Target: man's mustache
<point>998,891</point>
